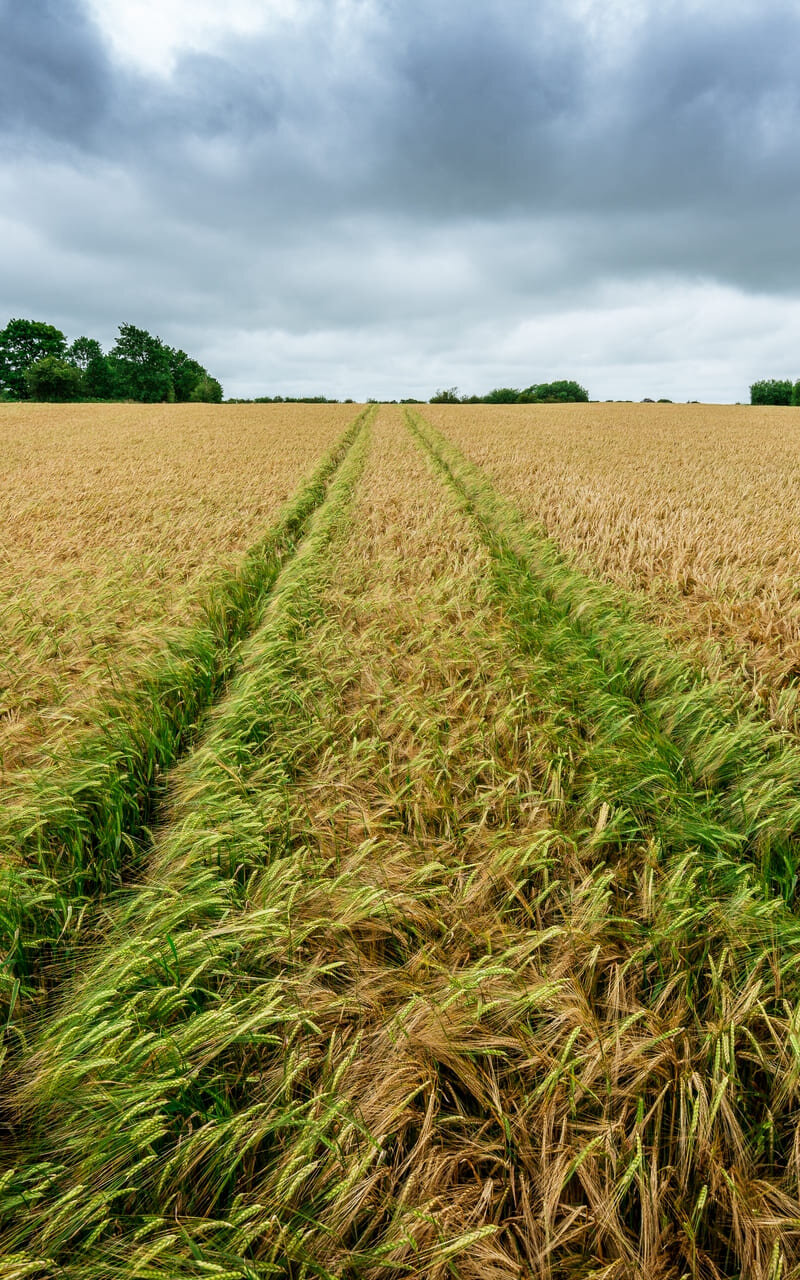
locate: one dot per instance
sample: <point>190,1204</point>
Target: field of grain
<point>462,941</point>
<point>696,505</point>
<point>111,520</point>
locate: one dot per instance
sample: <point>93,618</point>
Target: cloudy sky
<point>383,197</point>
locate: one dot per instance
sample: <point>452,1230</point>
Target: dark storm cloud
<point>474,109</point>
<point>391,164</point>
<point>709,108</point>
<point>54,73</point>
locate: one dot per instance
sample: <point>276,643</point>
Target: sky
<point>386,197</point>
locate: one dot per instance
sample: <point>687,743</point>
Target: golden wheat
<point>111,519</point>
<point>697,505</point>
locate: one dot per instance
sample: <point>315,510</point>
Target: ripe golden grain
<point>111,519</point>
<point>696,505</point>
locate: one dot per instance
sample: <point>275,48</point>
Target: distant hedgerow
<point>565,391</point>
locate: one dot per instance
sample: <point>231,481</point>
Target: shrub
<point>53,379</point>
<point>207,391</point>
<point>503,395</point>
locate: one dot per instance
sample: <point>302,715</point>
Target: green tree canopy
<point>502,395</point>
<point>82,351</point>
<point>98,379</point>
<point>22,344</point>
<point>771,391</point>
<point>53,379</point>
<point>141,365</point>
<point>207,390</point>
<point>564,391</point>
<point>186,374</point>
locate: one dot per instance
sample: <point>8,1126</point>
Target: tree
<point>141,366</point>
<point>22,344</point>
<point>53,379</point>
<point>83,351</point>
<point>450,396</point>
<point>796,394</point>
<point>98,379</point>
<point>565,391</point>
<point>207,391</point>
<point>97,374</point>
<point>186,374</point>
<point>771,391</point>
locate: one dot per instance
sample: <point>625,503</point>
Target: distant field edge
<point>74,828</point>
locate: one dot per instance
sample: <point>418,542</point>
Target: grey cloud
<point>55,78</point>
<point>208,98</point>
<point>710,108</point>
<point>482,107</point>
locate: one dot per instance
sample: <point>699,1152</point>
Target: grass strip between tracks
<point>72,830</point>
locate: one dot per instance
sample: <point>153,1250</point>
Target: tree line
<point>564,391</point>
<point>775,391</point>
<point>286,400</point>
<point>36,363</point>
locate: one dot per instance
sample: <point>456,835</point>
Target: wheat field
<point>695,505</point>
<point>111,522</point>
<point>431,912</point>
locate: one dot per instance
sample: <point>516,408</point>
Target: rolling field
<point>420,907</point>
